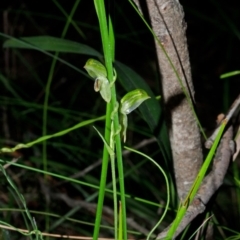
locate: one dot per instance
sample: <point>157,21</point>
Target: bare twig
<point>91,207</point>
<point>229,115</point>
<point>10,163</point>
<point>60,236</point>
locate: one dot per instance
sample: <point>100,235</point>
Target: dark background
<point>212,33</point>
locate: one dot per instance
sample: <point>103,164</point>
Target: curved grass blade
<point>46,137</point>
<point>192,193</point>
<point>167,186</point>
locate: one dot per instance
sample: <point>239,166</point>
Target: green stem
<point>46,98</point>
<point>114,196</point>
<point>121,181</point>
<point>108,49</point>
<point>103,176</point>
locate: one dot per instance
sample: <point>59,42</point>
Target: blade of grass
<point>69,19</point>
<point>7,86</point>
<point>196,184</point>
<point>111,152</point>
<point>229,74</point>
<point>29,46</point>
<point>167,186</point>
<point>48,86</point>
<point>46,137</point>
<point>120,227</point>
<point>53,44</point>
<point>76,181</point>
<point>22,201</point>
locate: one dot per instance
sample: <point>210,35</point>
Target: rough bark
<point>167,19</point>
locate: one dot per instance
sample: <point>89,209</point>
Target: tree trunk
<point>168,24</point>
<point>167,19</point>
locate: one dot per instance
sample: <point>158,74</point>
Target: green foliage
<point>52,44</point>
<point>129,102</point>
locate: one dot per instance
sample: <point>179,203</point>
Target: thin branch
<point>91,207</point>
<point>231,112</point>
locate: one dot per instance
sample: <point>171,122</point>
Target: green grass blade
<point>37,170</point>
<point>29,46</point>
<point>120,224</point>
<point>196,184</point>
<point>21,199</point>
<point>112,158</point>
<point>229,74</point>
<point>58,134</point>
<point>167,186</point>
<point>8,86</point>
<point>69,19</point>
<point>53,44</point>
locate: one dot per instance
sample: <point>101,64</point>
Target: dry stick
<point>53,235</point>
<point>210,184</point>
<point>229,115</point>
<point>91,207</point>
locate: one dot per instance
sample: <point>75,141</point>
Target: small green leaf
<point>150,110</point>
<point>132,100</point>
